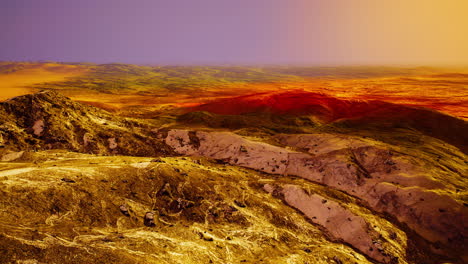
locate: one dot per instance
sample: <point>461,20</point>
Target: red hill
<point>352,112</point>
<point>298,103</point>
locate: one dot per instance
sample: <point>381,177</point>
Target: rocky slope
<point>78,208</point>
<point>204,190</point>
<point>353,113</point>
<point>407,188</point>
<point>48,120</point>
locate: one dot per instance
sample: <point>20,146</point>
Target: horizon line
<point>312,65</point>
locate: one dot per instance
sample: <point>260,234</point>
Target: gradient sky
<point>312,32</point>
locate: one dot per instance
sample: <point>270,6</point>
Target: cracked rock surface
<point>81,185</point>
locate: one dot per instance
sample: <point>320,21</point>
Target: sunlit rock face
<point>386,181</point>
<point>273,177</point>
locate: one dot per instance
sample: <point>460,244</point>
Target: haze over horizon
<point>247,32</point>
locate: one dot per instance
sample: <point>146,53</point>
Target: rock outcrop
<point>402,202</point>
<point>353,113</point>
<point>48,120</point>
<point>386,181</point>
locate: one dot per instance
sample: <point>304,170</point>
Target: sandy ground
<point>21,82</point>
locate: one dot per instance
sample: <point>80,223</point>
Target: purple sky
<point>228,31</point>
<point>143,31</point>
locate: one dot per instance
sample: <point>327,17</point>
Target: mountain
<point>48,120</point>
<point>354,113</point>
<point>272,177</point>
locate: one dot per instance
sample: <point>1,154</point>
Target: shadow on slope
<point>330,110</point>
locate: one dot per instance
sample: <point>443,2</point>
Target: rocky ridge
<point>381,200</point>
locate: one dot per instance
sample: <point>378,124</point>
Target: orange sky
<point>401,32</point>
